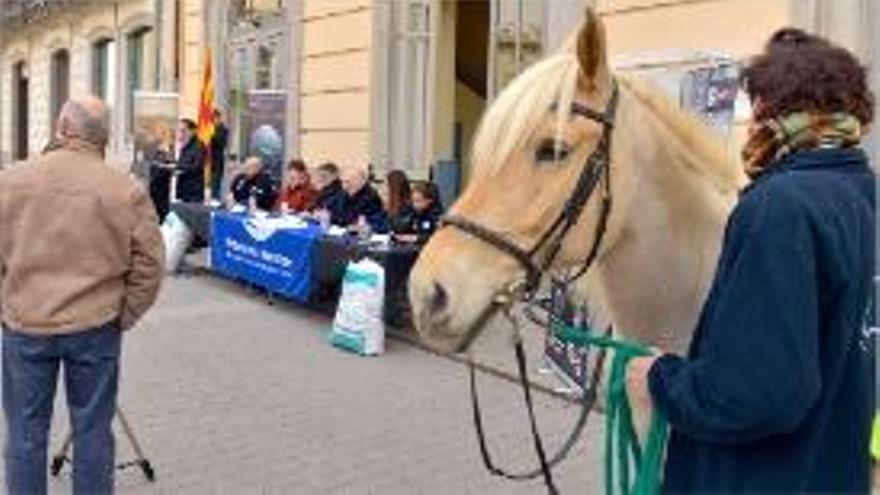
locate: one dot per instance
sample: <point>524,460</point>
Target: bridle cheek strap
<point>596,168</point>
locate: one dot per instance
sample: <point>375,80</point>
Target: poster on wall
<point>266,128</point>
<point>570,363</point>
<point>711,93</point>
<point>155,121</point>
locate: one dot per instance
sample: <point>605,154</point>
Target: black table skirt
<point>330,256</point>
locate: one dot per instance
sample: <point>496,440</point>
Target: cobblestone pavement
<point>228,394</point>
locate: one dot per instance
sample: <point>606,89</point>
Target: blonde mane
<point>520,109</point>
<point>709,157</point>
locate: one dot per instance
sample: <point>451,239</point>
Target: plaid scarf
<point>771,140</point>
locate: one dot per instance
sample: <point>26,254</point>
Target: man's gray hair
<point>85,119</point>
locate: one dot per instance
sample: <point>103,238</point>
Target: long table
<point>300,264</point>
<point>264,252</point>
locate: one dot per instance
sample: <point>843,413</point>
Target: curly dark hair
<point>802,72</point>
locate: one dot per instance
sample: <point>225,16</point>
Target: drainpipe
<point>159,28</point>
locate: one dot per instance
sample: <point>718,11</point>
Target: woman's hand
<point>406,238</point>
<point>637,381</point>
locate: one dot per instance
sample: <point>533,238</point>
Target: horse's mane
<point>709,157</point>
<point>517,112</point>
<point>520,109</point>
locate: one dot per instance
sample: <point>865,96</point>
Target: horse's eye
<point>552,150</point>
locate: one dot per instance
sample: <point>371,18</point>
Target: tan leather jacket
<point>79,245</point>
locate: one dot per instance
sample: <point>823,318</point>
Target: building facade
<point>52,50</point>
<point>393,83</point>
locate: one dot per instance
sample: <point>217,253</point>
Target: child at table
<point>419,219</point>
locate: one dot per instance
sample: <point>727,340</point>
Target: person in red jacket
<point>298,194</point>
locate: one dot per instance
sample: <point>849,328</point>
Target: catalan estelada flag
<point>205,129</point>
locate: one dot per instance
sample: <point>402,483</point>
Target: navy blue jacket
<point>261,186</point>
<point>421,223</point>
<point>333,199</point>
<point>777,392</point>
<point>368,204</point>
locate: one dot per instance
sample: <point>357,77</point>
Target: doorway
<point>472,30</point>
<point>20,111</point>
<point>60,84</point>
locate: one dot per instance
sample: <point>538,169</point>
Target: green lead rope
<point>622,449</point>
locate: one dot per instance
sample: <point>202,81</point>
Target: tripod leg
<point>59,458</point>
<point>142,461</point>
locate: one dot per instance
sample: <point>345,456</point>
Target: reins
<point>535,262</point>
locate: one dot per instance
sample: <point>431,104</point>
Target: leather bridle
<point>536,261</point>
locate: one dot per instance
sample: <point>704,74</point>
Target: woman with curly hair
<point>776,394</point>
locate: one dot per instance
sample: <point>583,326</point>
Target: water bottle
<point>324,219</point>
<point>363,228</point>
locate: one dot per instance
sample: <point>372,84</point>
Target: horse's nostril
<point>440,299</point>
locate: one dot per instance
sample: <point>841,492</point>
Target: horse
<point>653,209</point>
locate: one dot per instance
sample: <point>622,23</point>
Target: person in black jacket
<point>418,219</point>
<point>776,394</point>
<point>161,163</point>
<point>330,202</point>
<point>190,165</point>
<point>254,183</point>
<point>364,205</point>
<point>219,142</point>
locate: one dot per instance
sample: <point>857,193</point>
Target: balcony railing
<point>13,12</point>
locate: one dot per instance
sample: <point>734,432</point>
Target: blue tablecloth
<point>278,260</point>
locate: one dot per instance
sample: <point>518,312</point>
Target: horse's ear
<point>591,47</point>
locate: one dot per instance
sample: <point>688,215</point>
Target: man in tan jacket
<point>81,259</point>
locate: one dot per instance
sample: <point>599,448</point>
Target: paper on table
<point>337,231</point>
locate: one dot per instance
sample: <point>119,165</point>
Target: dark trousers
<point>219,167</point>
<point>160,193</point>
<point>91,377</point>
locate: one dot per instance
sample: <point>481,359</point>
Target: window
<point>408,84</point>
<point>103,69</point>
<point>20,110</point>
<point>518,33</point>
<point>60,83</point>
<point>138,47</point>
<point>267,68</point>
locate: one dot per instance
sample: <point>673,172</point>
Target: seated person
<point>363,205</point>
<point>330,200</point>
<point>419,219</point>
<point>398,193</point>
<point>298,193</point>
<point>254,183</point>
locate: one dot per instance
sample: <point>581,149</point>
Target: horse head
<point>535,147</point>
